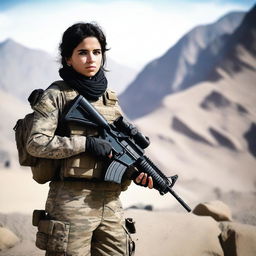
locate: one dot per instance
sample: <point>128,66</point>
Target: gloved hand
<point>97,146</point>
<point>142,179</point>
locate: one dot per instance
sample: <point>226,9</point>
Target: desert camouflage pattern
<point>43,142</point>
<point>95,216</point>
<point>90,210</point>
<point>85,165</point>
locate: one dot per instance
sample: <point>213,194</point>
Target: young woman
<point>85,213</point>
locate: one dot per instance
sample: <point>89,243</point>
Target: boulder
<point>7,238</point>
<point>238,239</point>
<point>216,209</point>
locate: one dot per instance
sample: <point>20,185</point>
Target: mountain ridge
<point>165,75</point>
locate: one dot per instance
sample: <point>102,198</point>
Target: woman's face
<point>86,58</point>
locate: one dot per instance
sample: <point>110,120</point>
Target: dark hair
<point>75,34</point>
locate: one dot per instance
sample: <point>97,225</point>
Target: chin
<point>90,74</point>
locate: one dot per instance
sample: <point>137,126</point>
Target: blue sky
<point>5,4</point>
<point>137,31</point>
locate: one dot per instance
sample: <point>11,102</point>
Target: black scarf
<point>90,87</point>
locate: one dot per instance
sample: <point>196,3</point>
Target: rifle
<point>128,146</point>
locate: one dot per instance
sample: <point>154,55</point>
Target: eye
<point>82,52</point>
<point>97,52</point>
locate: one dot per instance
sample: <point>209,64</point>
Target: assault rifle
<point>128,146</point>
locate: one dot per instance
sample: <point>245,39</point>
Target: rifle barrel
<point>180,200</point>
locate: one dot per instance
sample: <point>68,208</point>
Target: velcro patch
<point>111,95</point>
<point>110,98</point>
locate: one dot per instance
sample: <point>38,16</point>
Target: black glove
<point>98,147</point>
<point>134,176</point>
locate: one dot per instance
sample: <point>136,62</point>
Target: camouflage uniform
<point>86,216</point>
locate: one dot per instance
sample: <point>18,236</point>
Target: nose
<point>90,57</point>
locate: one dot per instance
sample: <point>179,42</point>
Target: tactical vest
<point>85,165</point>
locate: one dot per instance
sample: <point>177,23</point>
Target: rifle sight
<point>130,130</point>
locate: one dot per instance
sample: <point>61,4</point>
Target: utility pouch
<point>52,235</point>
<point>37,216</point>
<point>45,170</point>
<point>82,166</point>
<point>130,225</point>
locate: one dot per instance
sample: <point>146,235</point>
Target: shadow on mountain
<point>215,99</point>
<point>250,137</point>
<point>241,109</point>
<point>222,139</point>
<point>165,138</point>
<point>182,128</point>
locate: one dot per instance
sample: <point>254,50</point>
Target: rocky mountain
<point>171,72</point>
<point>206,134</point>
<point>24,69</point>
<point>241,42</point>
<point>226,53</point>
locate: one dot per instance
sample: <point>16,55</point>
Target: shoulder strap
<point>68,92</point>
<point>110,97</point>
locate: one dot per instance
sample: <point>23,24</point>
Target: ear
<point>68,61</point>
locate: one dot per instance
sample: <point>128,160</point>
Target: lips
<point>91,67</point>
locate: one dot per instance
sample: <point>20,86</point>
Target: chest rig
<point>85,165</point>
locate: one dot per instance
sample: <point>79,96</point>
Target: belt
<point>82,180</point>
<point>92,184</point>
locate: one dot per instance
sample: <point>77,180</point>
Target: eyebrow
<point>84,50</point>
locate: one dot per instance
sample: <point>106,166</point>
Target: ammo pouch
<point>45,170</point>
<point>82,166</point>
<point>52,235</point>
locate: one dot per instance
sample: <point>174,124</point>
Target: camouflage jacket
<point>43,142</point>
